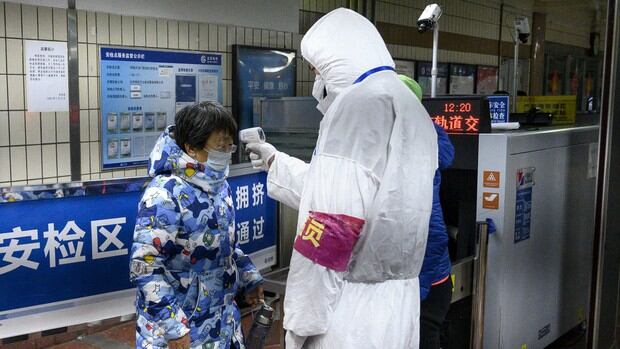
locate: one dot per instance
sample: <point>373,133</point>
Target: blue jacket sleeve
<point>249,276</point>
<point>445,148</point>
<point>157,225</point>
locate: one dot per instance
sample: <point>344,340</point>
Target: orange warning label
<point>490,201</point>
<point>491,179</point>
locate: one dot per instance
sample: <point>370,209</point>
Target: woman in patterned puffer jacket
<point>185,260</point>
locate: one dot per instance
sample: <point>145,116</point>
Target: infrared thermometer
<point>252,135</point>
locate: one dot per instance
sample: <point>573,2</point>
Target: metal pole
<point>499,44</point>
<point>74,93</point>
<point>480,271</point>
<point>604,289</point>
<point>434,67</point>
<point>515,73</point>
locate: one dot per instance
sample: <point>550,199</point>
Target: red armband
<point>328,239</point>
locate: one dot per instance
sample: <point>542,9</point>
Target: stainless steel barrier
<point>462,275</point>
<point>480,267</point>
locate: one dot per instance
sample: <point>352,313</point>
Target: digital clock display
<point>460,114</point>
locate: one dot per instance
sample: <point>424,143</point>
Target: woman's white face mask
<point>319,92</point>
<point>218,160</point>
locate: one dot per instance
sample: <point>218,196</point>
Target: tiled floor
<point>119,337</point>
<point>123,337</point>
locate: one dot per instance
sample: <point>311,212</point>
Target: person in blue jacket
<point>435,281</point>
<point>185,260</point>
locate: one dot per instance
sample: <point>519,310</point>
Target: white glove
<point>261,155</point>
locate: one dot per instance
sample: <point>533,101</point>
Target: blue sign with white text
<point>255,213</point>
<point>67,248</point>
<point>523,214</point>
<point>523,203</point>
<point>61,249</point>
<point>498,109</point>
<point>141,91</point>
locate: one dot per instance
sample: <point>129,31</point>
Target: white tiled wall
<point>30,143</point>
<point>96,28</point>
<point>34,147</point>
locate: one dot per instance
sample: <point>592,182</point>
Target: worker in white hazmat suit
<point>364,200</point>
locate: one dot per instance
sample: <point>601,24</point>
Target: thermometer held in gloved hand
<point>252,135</point>
<point>261,153</point>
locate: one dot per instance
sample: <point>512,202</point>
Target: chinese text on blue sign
<point>498,108</point>
<point>79,246</point>
<point>255,218</point>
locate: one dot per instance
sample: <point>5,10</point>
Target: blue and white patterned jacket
<point>185,260</point>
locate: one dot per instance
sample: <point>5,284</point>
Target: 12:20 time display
<point>457,107</point>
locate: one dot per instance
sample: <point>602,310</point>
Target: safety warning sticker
<point>490,201</point>
<point>491,179</point>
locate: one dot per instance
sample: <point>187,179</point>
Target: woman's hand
<point>255,297</point>
<point>180,343</point>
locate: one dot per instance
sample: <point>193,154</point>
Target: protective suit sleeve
<point>285,179</point>
<point>249,276</point>
<point>157,224</point>
<point>445,154</point>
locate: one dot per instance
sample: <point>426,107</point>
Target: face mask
<point>218,160</point>
<point>319,93</point>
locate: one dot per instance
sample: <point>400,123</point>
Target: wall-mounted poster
<point>405,67</point>
<point>260,72</point>
<point>486,82</point>
<point>141,91</point>
<point>424,78</point>
<point>47,82</point>
<point>462,79</point>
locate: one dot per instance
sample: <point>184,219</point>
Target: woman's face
<point>218,140</point>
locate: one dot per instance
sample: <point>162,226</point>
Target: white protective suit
<point>374,160</point>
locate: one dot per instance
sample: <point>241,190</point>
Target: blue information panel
<point>260,72</point>
<point>523,204</point>
<point>141,90</point>
<point>77,247</point>
<point>498,108</point>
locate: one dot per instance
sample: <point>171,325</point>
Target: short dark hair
<point>195,123</point>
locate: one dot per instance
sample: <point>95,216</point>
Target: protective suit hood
<point>342,46</point>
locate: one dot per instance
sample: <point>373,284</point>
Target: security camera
<point>429,17</point>
<point>522,26</point>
